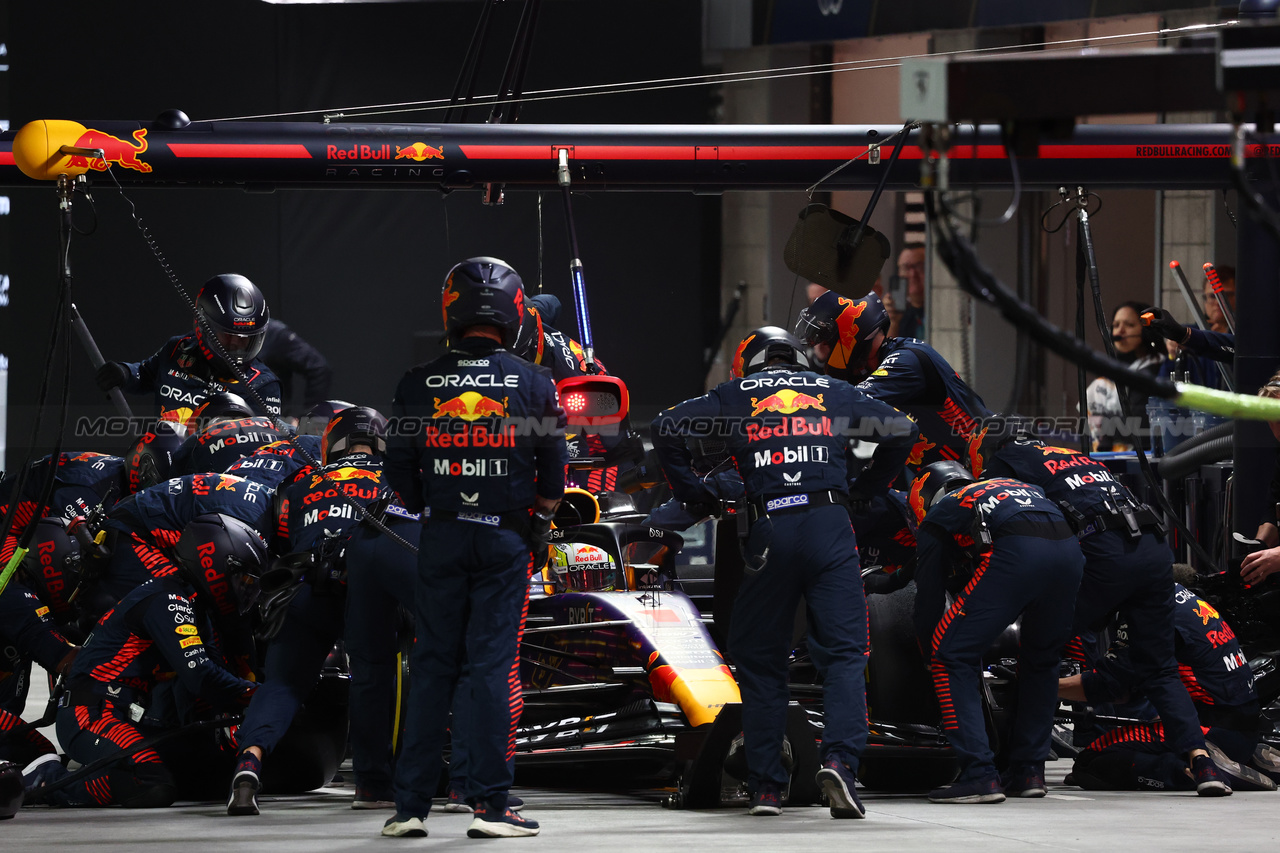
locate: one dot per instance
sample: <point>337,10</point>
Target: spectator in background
<point>908,321</point>
<point>1257,566</point>
<point>286,353</point>
<point>1138,347</point>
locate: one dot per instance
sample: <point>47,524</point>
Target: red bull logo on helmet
<point>847,327</point>
<point>738,367</point>
<point>115,150</point>
<point>915,499</point>
<point>785,402</point>
<point>420,151</point>
<point>470,406</point>
<point>447,298</point>
<point>348,473</point>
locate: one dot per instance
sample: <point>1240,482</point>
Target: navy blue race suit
<point>154,518</point>
<point>274,464</point>
<point>1130,570</point>
<point>84,481</point>
<point>788,433</point>
<point>476,436</point>
<point>181,379</point>
<point>1217,676</point>
<point>310,511</point>
<point>912,377</point>
<point>222,445</point>
<point>286,353</point>
<point>154,635</point>
<point>27,634</point>
<point>886,543</point>
<point>1030,567</point>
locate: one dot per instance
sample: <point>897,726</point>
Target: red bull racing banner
<point>647,157</point>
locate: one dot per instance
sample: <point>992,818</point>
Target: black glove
<point>704,509</point>
<point>539,536</point>
<point>859,501</point>
<point>1164,324</point>
<point>112,374</point>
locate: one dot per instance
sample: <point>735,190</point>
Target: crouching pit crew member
<point>477,446</point>
<point>155,633</point>
<point>1218,678</point>
<point>785,426</point>
<point>1002,550</point>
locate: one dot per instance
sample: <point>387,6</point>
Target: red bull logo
<point>343,474</point>
<point>785,402</point>
<point>736,371</point>
<point>114,150</point>
<point>976,463</point>
<point>847,326</point>
<point>915,499</point>
<point>226,483</point>
<point>470,406</point>
<point>1205,611</point>
<point>83,457</point>
<point>420,151</point>
<point>921,447</point>
<point>447,298</point>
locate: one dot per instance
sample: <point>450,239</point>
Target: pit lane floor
<point>1068,819</point>
<point>624,821</point>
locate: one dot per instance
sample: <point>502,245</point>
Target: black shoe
<point>365,799</point>
<point>838,784</point>
<point>1210,780</point>
<point>1026,783</point>
<point>978,791</point>
<point>766,801</point>
<point>244,794</point>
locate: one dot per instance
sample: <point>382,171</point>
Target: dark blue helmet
<point>847,326</point>
<point>482,292</point>
<point>236,311</point>
<point>764,345</point>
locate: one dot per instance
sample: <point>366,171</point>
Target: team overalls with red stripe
<point>152,635</point>
<point>83,478</point>
<point>180,378</point>
<point>224,444</point>
<point>1123,571</point>
<point>153,520</point>
<point>1216,674</point>
<point>912,377</point>
<point>1032,570</point>
<point>27,633</point>
<point>456,452</point>
<point>788,432</point>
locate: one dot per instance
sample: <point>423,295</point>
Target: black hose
<point>1205,437</point>
<point>1177,467</point>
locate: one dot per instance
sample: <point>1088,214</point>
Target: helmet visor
<point>814,330</point>
<point>240,349</point>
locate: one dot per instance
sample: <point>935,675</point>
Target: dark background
<point>356,273</point>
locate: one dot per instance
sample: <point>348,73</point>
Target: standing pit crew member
<point>1002,550</point>
<point>848,338</point>
<point>190,367</point>
<point>153,635</point>
<point>312,516</point>
<point>1128,567</point>
<point>478,448</point>
<point>786,428</point>
<point>285,352</point>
